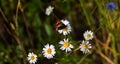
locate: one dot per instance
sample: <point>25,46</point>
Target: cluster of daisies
<point>63,27</point>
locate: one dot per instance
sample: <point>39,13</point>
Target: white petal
<point>68,49</point>
<point>51,46</point>
<point>61,42</point>
<point>71,46</point>
<point>87,42</point>
<point>89,46</point>
<point>60,31</point>
<point>29,54</point>
<point>47,45</point>
<point>62,48</point>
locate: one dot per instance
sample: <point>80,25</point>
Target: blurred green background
<point>25,28</point>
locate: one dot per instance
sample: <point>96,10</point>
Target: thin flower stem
<point>112,21</point>
<point>101,43</point>
<point>72,51</point>
<point>27,30</point>
<point>55,16</point>
<point>76,49</point>
<point>104,56</point>
<point>6,20</point>
<point>3,15</point>
<point>16,16</point>
<point>82,59</point>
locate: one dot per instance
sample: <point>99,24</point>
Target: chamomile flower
<point>85,46</point>
<point>88,35</point>
<point>66,30</point>
<point>65,45</point>
<point>49,51</point>
<point>65,22</point>
<point>49,10</point>
<point>32,58</point>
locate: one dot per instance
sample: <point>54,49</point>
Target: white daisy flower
<point>65,22</point>
<point>48,51</point>
<point>88,35</point>
<point>66,30</point>
<point>65,45</point>
<point>85,46</point>
<point>32,58</point>
<point>49,10</point>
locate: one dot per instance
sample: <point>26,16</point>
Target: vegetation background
<point>25,28</point>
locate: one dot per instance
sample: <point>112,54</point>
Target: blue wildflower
<point>111,6</point>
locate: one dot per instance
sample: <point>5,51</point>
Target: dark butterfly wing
<point>61,27</point>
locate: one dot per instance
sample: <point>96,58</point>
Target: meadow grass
<point>24,28</point>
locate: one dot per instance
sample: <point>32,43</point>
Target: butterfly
<point>59,25</point>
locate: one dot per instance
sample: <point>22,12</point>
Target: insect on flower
<point>63,27</point>
<point>59,25</point>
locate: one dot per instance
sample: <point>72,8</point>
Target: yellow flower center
<point>85,46</point>
<point>64,29</point>
<point>32,57</point>
<point>49,10</point>
<point>88,35</point>
<point>66,44</point>
<point>49,51</point>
